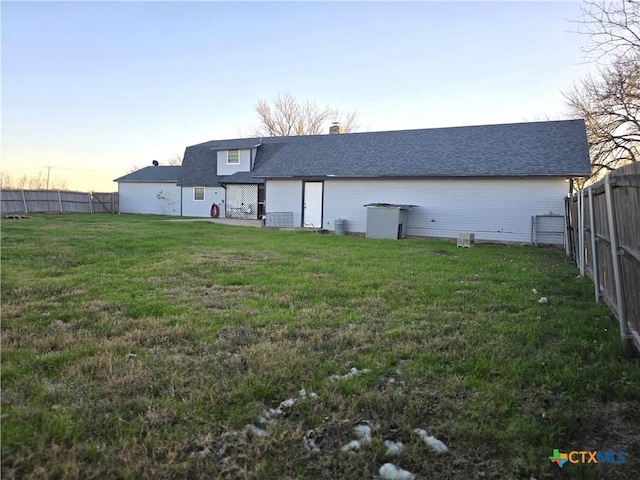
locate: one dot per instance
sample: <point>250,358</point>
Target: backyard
<point>141,347</point>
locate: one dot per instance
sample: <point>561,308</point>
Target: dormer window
<point>233,158</point>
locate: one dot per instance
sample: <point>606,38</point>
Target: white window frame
<point>195,196</point>
<point>229,162</point>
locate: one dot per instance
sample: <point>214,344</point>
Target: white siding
<point>192,208</point>
<point>495,209</point>
<point>244,165</point>
<point>285,196</point>
<point>150,198</point>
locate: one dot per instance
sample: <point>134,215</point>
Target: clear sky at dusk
<point>91,89</point>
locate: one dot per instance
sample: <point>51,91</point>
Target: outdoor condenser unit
<point>466,239</point>
<point>387,220</point>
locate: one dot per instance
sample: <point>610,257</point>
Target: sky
<point>92,89</point>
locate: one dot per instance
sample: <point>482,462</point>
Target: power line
<point>22,169</point>
<point>82,169</point>
<point>46,167</point>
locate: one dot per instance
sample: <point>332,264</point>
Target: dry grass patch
<point>232,338</point>
<point>213,296</point>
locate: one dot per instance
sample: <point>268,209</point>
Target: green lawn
<point>137,347</point>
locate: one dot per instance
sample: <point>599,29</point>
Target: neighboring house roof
<point>153,174</point>
<point>546,149</point>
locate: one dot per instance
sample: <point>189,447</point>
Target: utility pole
<point>48,175</point>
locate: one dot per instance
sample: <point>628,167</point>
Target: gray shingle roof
<point>557,148</point>
<point>546,149</point>
<point>236,144</point>
<point>199,165</point>
<point>159,174</point>
<point>240,177</point>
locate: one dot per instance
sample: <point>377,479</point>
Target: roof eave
<point>145,181</point>
<point>421,177</point>
<point>220,149</point>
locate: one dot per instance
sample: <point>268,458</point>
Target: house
<point>220,173</point>
<point>488,179</point>
<point>151,190</point>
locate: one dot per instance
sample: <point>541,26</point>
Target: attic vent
<point>336,128</point>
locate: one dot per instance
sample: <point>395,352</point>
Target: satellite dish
<point>155,163</point>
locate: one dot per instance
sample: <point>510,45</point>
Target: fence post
<point>533,230</point>
<point>613,237</point>
<point>567,219</point>
<point>581,232</point>
<point>24,201</point>
<point>60,201</point>
<point>90,204</point>
<point>594,255</point>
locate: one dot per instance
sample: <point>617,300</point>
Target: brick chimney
<point>336,128</point>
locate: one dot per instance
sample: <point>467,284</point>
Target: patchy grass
<point>134,347</point>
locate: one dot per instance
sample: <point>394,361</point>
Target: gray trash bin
<point>340,226</point>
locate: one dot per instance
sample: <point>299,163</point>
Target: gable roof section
<point>159,174</point>
<point>200,162</point>
<point>545,149</point>
<point>199,166</point>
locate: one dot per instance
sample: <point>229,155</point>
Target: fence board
<point>12,201</point>
<point>49,201</point>
<point>623,294</point>
<point>102,202</point>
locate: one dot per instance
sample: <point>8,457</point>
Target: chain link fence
<point>547,229</point>
<point>242,202</point>
<point>278,219</point>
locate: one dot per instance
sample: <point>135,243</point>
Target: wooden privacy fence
<point>57,201</point>
<point>603,229</point>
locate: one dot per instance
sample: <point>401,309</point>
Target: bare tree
<point>289,116</point>
<point>610,101</point>
<point>38,181</point>
<point>610,104</point>
<point>611,28</point>
<point>545,117</point>
<point>175,161</point>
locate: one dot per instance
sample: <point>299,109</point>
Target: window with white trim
<point>198,194</point>
<point>233,157</point>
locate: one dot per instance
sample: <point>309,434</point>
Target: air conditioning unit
<point>466,239</point>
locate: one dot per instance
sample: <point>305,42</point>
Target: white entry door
<point>312,217</point>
